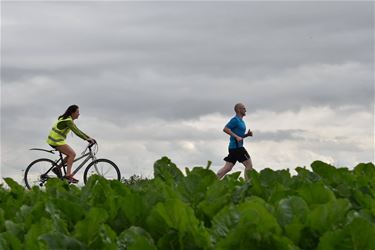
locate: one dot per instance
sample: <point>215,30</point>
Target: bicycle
<point>40,170</point>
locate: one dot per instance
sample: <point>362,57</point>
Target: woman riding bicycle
<point>57,136</point>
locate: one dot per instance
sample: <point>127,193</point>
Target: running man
<point>236,128</point>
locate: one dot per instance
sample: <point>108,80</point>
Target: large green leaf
<point>365,173</point>
<point>291,214</point>
<point>363,194</point>
<point>220,194</point>
<point>341,180</point>
<point>365,169</point>
<point>315,193</point>
<point>9,241</point>
<point>241,192</point>
<point>359,234</point>
<point>291,210</point>
<point>2,220</point>
<point>16,229</point>
<point>305,176</point>
<point>87,229</point>
<point>269,178</point>
<point>254,210</point>
<point>71,212</point>
<point>271,185</point>
<point>119,189</point>
<point>194,186</point>
<point>249,225</point>
<point>166,170</point>
<point>176,216</point>
<point>12,199</point>
<point>329,216</point>
<point>294,231</point>
<point>14,186</point>
<point>324,170</point>
<point>106,239</point>
<point>60,223</point>
<point>134,208</point>
<point>32,240</point>
<point>56,240</point>
<point>99,193</point>
<point>362,199</point>
<point>23,215</point>
<point>55,187</point>
<point>135,238</point>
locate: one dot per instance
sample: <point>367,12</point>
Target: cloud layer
<point>161,78</point>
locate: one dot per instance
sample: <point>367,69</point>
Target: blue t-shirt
<point>237,126</point>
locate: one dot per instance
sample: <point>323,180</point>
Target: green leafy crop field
<point>326,208</point>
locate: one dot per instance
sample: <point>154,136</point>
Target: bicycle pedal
<point>44,177</point>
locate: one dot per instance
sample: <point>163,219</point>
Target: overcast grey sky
<point>161,78</point>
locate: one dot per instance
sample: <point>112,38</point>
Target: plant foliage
<point>326,208</point>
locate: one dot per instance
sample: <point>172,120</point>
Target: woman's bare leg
<point>70,155</point>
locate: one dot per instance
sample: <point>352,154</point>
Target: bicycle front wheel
<point>38,172</point>
<point>104,168</point>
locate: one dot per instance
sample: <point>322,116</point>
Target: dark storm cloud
<point>191,53</point>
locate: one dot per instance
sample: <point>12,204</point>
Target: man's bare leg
<point>227,167</point>
<point>248,167</point>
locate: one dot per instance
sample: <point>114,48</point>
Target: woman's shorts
<point>237,154</point>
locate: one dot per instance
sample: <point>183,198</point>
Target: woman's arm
<point>76,130</point>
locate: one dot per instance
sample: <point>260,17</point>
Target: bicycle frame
<point>89,155</point>
<point>39,175</point>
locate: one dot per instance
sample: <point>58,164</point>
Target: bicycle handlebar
<point>92,143</point>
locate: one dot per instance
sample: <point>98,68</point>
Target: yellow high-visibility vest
<point>57,136</point>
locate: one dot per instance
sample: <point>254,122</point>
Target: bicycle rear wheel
<point>38,172</point>
<point>104,168</point>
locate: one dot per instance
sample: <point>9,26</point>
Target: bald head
<point>238,106</point>
<point>240,109</point>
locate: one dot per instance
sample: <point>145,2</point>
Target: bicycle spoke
<point>100,169</point>
<point>38,172</point>
<point>104,168</point>
<point>106,172</point>
<point>100,172</point>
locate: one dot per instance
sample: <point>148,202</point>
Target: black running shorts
<point>237,154</point>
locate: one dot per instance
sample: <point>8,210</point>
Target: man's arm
<point>249,133</point>
<point>230,132</point>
